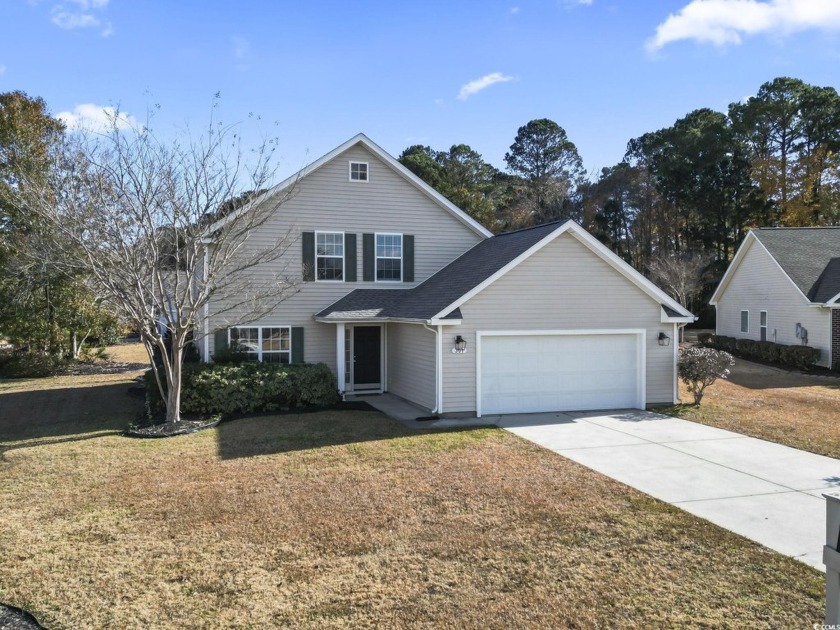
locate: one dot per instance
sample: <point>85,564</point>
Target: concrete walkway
<point>764,491</point>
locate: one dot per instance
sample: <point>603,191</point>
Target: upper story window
<point>389,257</point>
<point>358,171</point>
<point>267,344</point>
<point>329,256</point>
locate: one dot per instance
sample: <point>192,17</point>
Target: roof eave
<point>381,320</point>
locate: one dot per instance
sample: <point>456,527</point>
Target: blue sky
<point>316,73</point>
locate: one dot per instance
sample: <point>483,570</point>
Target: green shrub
<point>799,356</point>
<point>706,339</point>
<point>795,356</point>
<point>700,367</point>
<point>230,354</point>
<point>722,342</point>
<point>235,389</point>
<point>30,364</point>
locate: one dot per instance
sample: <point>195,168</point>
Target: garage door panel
<point>532,373</point>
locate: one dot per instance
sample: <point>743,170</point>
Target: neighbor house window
<point>763,325</point>
<point>329,256</point>
<point>745,321</point>
<point>269,344</point>
<point>358,171</point>
<point>389,257</point>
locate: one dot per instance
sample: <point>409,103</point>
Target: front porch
<point>408,414</point>
<point>377,357</point>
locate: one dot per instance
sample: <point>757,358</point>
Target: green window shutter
<point>350,258</point>
<point>297,345</point>
<point>408,258</point>
<point>308,242</point>
<point>368,257</point>
<point>220,340</point>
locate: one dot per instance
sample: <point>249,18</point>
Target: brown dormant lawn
<point>789,407</point>
<point>347,520</point>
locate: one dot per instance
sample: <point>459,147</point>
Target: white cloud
<point>241,47</point>
<point>69,20</point>
<point>514,10</point>
<point>96,118</point>
<point>474,87</point>
<point>80,14</point>
<point>2,69</point>
<point>722,22</point>
<point>575,3</point>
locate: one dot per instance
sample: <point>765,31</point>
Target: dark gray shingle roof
<point>810,256</point>
<point>443,288</point>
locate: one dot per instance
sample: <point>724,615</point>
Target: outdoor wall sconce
<point>460,345</point>
<point>664,340</point>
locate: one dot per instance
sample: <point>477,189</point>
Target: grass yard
<point>787,407</point>
<point>347,520</point>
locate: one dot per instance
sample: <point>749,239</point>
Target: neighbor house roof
<point>809,257</point>
<point>439,297</point>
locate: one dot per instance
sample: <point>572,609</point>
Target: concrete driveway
<point>767,492</point>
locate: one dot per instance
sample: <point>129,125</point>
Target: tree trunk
<point>173,396</point>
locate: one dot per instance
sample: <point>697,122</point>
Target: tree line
<point>678,204</point>
<point>675,207</point>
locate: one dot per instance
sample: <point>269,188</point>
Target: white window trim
<point>376,257</point>
<point>260,340</point>
<point>343,256</point>
<point>741,322</point>
<point>350,171</point>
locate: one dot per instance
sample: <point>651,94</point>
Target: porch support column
<point>339,356</point>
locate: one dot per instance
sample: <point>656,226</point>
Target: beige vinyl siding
<point>564,286</point>
<point>411,363</point>
<point>758,284</point>
<point>326,200</point>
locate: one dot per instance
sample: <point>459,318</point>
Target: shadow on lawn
<point>54,415</point>
<point>282,433</point>
<point>759,376</point>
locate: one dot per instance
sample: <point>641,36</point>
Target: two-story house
<point>402,292</point>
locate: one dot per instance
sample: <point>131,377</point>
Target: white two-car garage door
<point>533,372</point>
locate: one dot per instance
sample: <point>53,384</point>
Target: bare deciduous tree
<point>164,226</point>
<point>681,274</point>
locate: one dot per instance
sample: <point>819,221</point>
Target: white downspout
<point>676,350</point>
<point>438,365</point>
<point>206,342</point>
<point>340,358</point>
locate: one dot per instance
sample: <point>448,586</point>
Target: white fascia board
<point>382,320</point>
<point>736,261</point>
<point>423,186</point>
<point>664,318</point>
<point>513,263</point>
<point>730,270</point>
<point>362,139</point>
<point>599,249</point>
<point>627,271</point>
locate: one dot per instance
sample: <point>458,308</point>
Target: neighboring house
<point>405,293</point>
<point>783,286</point>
